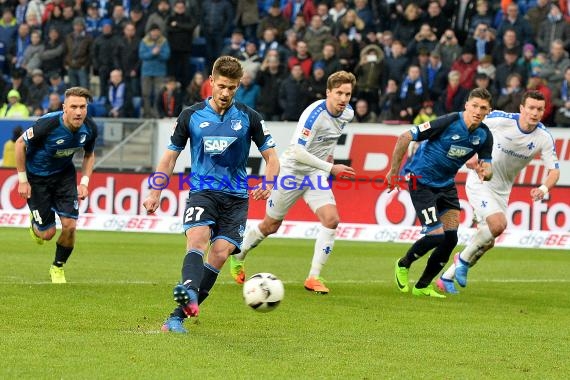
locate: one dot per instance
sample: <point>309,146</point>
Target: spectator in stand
<point>508,67</point>
<point>364,13</point>
<point>299,27</point>
<point>180,27</point>
<point>412,94</point>
<point>206,90</point>
<point>514,20</point>
<point>119,101</point>
<point>466,65</point>
<point>138,18</point>
<point>126,58</point>
<point>301,58</point>
<point>293,94</point>
<point>509,42</point>
<point>296,7</point>
<point>93,20</point>
<point>33,11</point>
<point>102,56</point>
<point>119,18</point>
<point>269,78</point>
<point>154,52</point>
<point>78,57</point>
<point>236,46</point>
<point>9,152</point>
<point>338,10</point>
<point>561,100</point>
<point>389,104</point>
<point>169,100</point>
<point>425,39</point>
<point>525,61</point>
<point>363,114</point>
<point>318,83</point>
<point>482,80</point>
<point>193,89</point>
<point>556,64</point>
<point>32,55</point>
<point>396,64</point>
<point>426,113</point>
<point>19,46</point>
<point>436,19</point>
<point>53,53</point>
<point>329,59</point>
<point>56,84</point>
<point>352,25</point>
<point>448,48</point>
<point>323,12</point>
<point>454,96</point>
<point>14,108</point>
<point>67,17</point>
<point>269,42</point>
<point>248,91</point>
<point>249,59</point>
<point>536,82</point>
<point>348,51</point>
<point>55,20</point>
<point>38,90</point>
<point>17,83</point>
<point>434,76</point>
<point>536,15</point>
<point>216,19</point>
<point>408,23</point>
<point>247,17</point>
<point>553,28</point>
<point>317,35</point>
<point>483,40</point>
<point>386,40</point>
<point>158,17</point>
<point>486,67</point>
<point>275,21</point>
<point>54,103</point>
<point>369,75</point>
<point>511,95</point>
<point>483,15</point>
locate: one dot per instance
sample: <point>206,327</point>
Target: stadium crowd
<point>413,60</point>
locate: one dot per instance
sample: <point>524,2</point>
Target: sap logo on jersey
<point>458,151</point>
<point>217,144</point>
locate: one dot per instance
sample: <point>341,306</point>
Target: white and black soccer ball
<point>263,292</point>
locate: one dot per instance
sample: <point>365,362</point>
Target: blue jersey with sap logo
<point>219,145</point>
<point>449,145</point>
<point>50,145</point>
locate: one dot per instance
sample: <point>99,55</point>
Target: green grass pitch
<point>512,322</point>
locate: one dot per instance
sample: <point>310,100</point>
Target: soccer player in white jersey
<point>518,138</point>
<point>308,159</point>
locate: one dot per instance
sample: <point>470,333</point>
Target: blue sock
<point>208,280</point>
<point>192,269</point>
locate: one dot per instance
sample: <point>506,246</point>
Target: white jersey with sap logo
<point>318,132</point>
<point>513,149</point>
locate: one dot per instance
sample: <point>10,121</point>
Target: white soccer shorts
<point>484,201</point>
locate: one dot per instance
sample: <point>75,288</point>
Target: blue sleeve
<point>181,133</point>
<point>432,129</point>
<point>259,133</point>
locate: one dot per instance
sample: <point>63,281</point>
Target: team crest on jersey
<point>30,133</point>
<point>82,139</point>
<point>60,141</point>
<point>217,144</point>
<point>475,140</point>
<point>236,125</point>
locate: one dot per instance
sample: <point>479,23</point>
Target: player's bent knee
<point>269,227</point>
<point>48,234</point>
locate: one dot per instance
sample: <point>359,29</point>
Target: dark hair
<point>339,78</point>
<point>533,94</point>
<point>78,91</point>
<point>480,93</point>
<point>228,67</point>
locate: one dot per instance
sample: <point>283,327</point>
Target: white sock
<point>252,238</point>
<point>482,237</point>
<point>449,274</point>
<point>323,249</point>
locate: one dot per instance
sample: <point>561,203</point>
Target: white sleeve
<point>303,156</point>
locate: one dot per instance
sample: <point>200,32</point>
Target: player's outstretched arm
<point>271,172</point>
<point>165,166</point>
<point>538,193</point>
<point>24,188</point>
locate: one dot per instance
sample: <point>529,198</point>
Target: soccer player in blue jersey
<point>47,177</point>
<point>450,141</point>
<point>220,132</point>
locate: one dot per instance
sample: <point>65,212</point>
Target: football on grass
<point>263,292</point>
